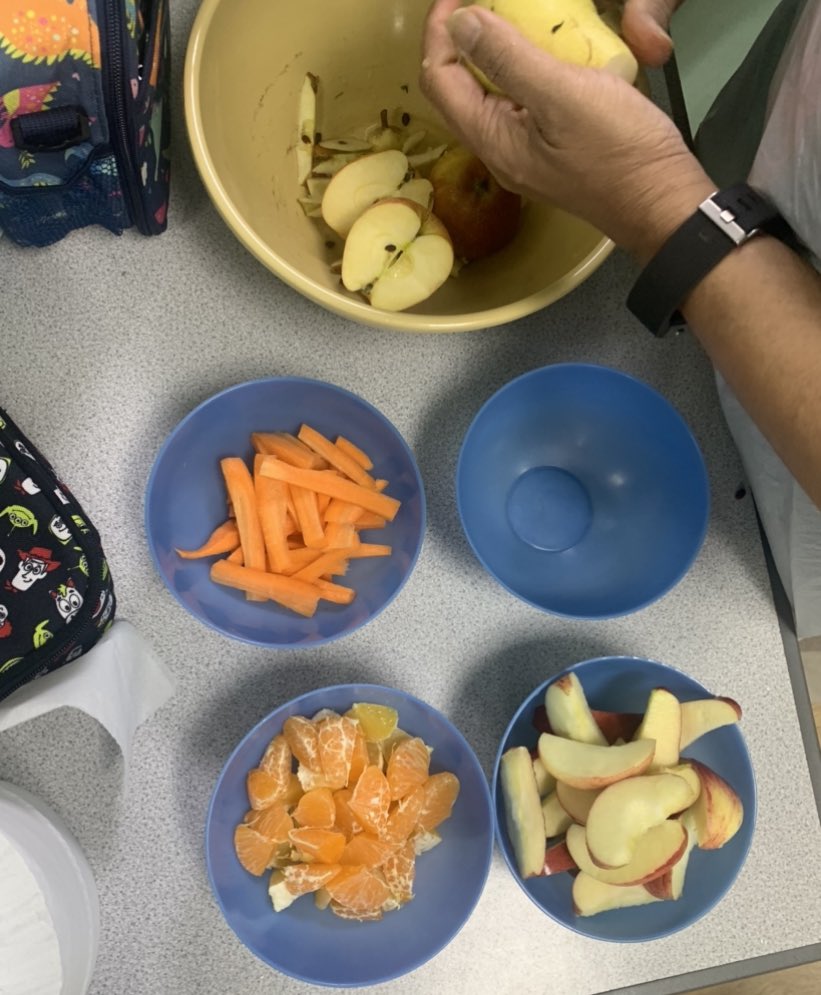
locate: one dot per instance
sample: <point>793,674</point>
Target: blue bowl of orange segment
<point>349,835</point>
<point>285,512</point>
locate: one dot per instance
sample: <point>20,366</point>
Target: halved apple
<point>591,896</point>
<point>396,254</point>
<point>556,820</point>
<point>417,189</point>
<point>585,765</point>
<point>656,851</point>
<point>702,716</point>
<point>670,885</point>
<point>718,812</point>
<point>624,812</point>
<point>577,802</point>
<point>361,183</point>
<point>569,714</point>
<point>662,722</point>
<point>523,810</point>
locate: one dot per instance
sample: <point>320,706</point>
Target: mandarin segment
<point>345,820</point>
<point>300,879</point>
<point>377,721</point>
<point>399,871</point>
<point>252,849</point>
<point>360,758</point>
<point>277,760</point>
<point>316,808</point>
<point>366,850</point>
<point>322,845</point>
<point>441,791</point>
<point>264,789</point>
<point>371,799</point>
<point>274,823</point>
<point>373,915</point>
<point>404,816</point>
<point>301,736</point>
<point>337,736</point>
<point>408,766</point>
<point>359,889</point>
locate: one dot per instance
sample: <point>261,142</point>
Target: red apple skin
<point>614,725</point>
<point>481,217</point>
<point>557,859</point>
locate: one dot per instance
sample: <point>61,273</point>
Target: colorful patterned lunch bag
<point>84,117</point>
<point>56,592</point>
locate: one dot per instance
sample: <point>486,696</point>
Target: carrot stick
<point>287,591</point>
<point>300,557</point>
<point>223,539</point>
<point>240,486</point>
<point>307,513</point>
<point>322,502</point>
<point>343,511</point>
<point>354,452</point>
<point>326,482</point>
<point>288,448</point>
<point>236,556</point>
<point>336,559</point>
<point>339,595</point>
<point>271,504</point>
<point>335,456</point>
<point>340,535</point>
<point>368,520</point>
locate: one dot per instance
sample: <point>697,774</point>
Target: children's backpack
<point>84,117</point>
<point>56,592</point>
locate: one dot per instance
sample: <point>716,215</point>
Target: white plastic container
<point>64,877</point>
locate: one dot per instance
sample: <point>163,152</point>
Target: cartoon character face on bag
<point>5,463</point>
<point>22,449</point>
<point>58,528</point>
<point>27,486</point>
<point>2,560</point>
<point>68,600</point>
<point>5,625</point>
<point>34,565</point>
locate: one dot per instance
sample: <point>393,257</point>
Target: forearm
<point>758,317</point>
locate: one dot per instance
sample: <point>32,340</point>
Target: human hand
<point>644,25</point>
<point>582,139</point>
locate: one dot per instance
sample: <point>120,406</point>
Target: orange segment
<point>322,845</point>
<point>272,823</point>
<point>399,870</point>
<point>365,850</point>
<point>294,792</point>
<point>371,799</point>
<point>377,721</point>
<point>345,821</point>
<point>404,816</point>
<point>316,808</point>
<point>253,850</point>
<point>337,735</point>
<point>277,759</point>
<point>300,734</point>
<point>441,791</point>
<point>374,915</point>
<point>300,879</point>
<point>358,889</point>
<point>360,758</point>
<point>408,766</point>
<point>264,789</point>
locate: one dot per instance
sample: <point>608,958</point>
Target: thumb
<point>509,60</point>
<point>644,25</point>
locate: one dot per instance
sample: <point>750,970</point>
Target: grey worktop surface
<point>108,343</point>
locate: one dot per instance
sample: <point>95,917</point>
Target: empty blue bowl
<point>317,946</point>
<point>623,684</point>
<point>582,491</point>
<point>185,500</point>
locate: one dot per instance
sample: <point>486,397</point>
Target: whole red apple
<point>481,217</point>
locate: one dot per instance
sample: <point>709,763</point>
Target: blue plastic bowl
<point>582,491</point>
<point>623,684</point>
<point>185,500</point>
<point>317,946</point>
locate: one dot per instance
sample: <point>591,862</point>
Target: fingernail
<point>464,27</point>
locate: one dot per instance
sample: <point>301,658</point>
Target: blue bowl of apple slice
<point>624,798</point>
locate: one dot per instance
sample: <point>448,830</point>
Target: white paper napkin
<point>120,683</point>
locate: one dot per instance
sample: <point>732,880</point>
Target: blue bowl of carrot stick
<point>285,512</point>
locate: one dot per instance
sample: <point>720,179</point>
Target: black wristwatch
<point>722,222</point>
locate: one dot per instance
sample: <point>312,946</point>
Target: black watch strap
<point>722,222</point>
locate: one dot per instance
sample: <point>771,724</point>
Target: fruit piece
<point>376,721</point>
<point>345,821</point>
<point>360,758</point>
<point>306,126</point>
<point>662,723</point>
<point>336,736</point>
<point>670,885</point>
<point>688,772</point>
<point>571,30</point>
<point>359,184</point>
<point>577,802</point>
<point>316,808</point>
<point>583,765</point>
<point>301,736</point>
<point>276,760</point>
<point>301,879</point>
<point>396,255</point>
<point>384,135</point>
<point>441,791</point>
<point>365,850</point>
<point>404,816</point>
<point>253,850</point>
<point>480,216</point>
<point>702,716</point>
<point>322,845</point>
<point>264,789</point>
<point>624,812</point>
<point>656,851</point>
<point>418,190</point>
<point>358,889</point>
<point>372,915</point>
<point>370,801</point>
<point>617,725</point>
<point>399,871</point>
<point>407,766</point>
<point>556,819</point>
<point>279,893</point>
<point>423,840</point>
<point>523,810</point>
<point>718,812</point>
<point>591,896</point>
<point>294,791</point>
<point>569,714</point>
<point>557,859</point>
<point>545,781</point>
<point>322,899</point>
<point>273,823</point>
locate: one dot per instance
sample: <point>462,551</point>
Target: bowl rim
<point>161,454</point>
<point>484,792</point>
<point>750,812</point>
<point>704,482</point>
<point>334,301</point>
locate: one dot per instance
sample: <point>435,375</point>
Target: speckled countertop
<point>107,343</point>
